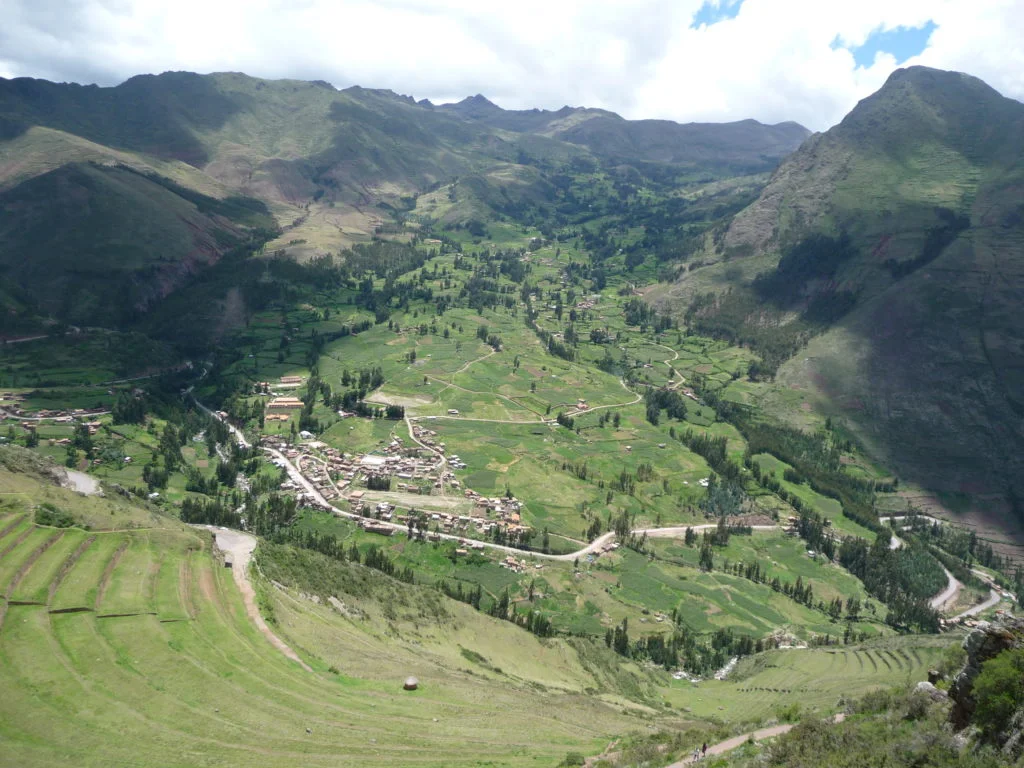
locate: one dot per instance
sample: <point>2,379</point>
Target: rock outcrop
<point>984,643</point>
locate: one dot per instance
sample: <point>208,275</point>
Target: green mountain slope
<point>88,244</point>
<point>131,632</point>
<point>98,244</point>
<point>923,180</point>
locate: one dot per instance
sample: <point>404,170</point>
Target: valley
<point>570,418</point>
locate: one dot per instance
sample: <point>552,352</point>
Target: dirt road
<point>949,594</point>
<point>736,741</point>
<point>992,600</point>
<point>239,547</point>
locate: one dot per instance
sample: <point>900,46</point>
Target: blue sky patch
<point>902,42</point>
<point>714,11</point>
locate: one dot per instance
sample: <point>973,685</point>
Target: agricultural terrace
<point>150,652</point>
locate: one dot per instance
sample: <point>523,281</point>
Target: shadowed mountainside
<point>922,188</point>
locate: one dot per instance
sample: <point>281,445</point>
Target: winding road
<point>953,585</point>
<point>951,592</point>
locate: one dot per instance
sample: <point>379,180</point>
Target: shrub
<point>999,691</point>
<point>48,514</point>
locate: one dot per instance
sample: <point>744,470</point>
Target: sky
<point>685,60</point>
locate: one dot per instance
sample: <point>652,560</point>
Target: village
<point>371,483</point>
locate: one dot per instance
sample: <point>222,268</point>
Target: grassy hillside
<point>151,658</point>
<point>914,335</point>
<point>150,653</point>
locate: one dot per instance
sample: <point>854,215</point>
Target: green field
<point>171,670</point>
<point>626,585</point>
<point>816,680</point>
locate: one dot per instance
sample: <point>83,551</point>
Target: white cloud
<point>773,61</point>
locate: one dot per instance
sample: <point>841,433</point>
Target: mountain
<point>115,196</point>
<point>746,146</point>
<point>98,244</point>
<point>894,242</point>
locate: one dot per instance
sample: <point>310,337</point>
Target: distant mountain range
<point>739,145</point>
<point>126,191</point>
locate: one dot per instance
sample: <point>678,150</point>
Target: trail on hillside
<point>736,741</point>
<point>240,546</point>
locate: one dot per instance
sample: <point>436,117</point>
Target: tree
<point>620,639</point>
<point>82,439</point>
<point>707,557</point>
<point>999,691</point>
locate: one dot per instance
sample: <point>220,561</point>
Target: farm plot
<point>818,679</point>
<point>79,587</point>
<point>35,584</point>
<point>140,690</point>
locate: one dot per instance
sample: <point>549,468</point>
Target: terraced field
<point>133,649</point>
<point>816,678</point>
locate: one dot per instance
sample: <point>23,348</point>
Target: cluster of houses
<point>426,436</point>
<point>406,466</point>
<point>334,474</point>
<point>9,399</point>
<point>501,512</point>
<point>286,382</point>
<point>516,565</point>
<point>92,426</point>
<point>11,403</point>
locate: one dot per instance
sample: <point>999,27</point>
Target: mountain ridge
<point>924,352</point>
<point>322,159</point>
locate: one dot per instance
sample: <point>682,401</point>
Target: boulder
<point>931,691</point>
